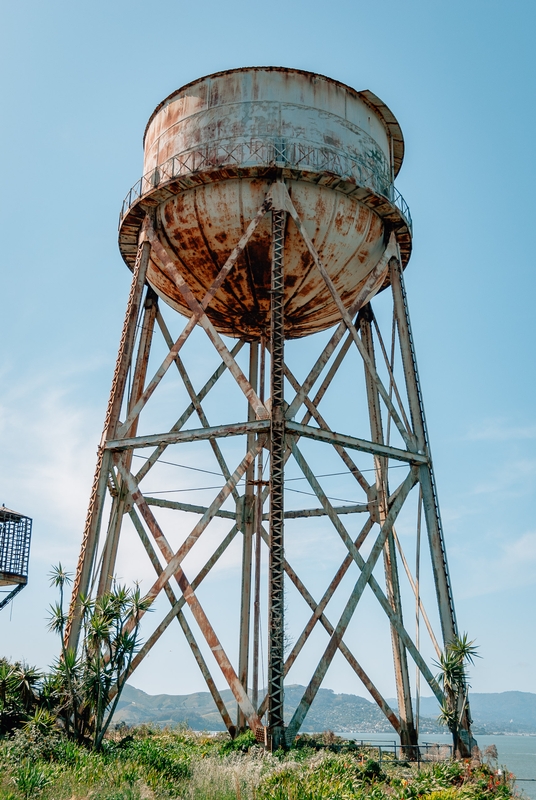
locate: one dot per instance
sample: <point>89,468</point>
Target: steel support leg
<point>431,506</point>
<point>408,734</point>
<point>248,522</point>
<point>259,503</point>
<point>93,519</point>
<point>120,501</point>
<point>426,476</point>
<point>276,570</point>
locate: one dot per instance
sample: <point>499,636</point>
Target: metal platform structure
<point>15,537</point>
<point>258,245</point>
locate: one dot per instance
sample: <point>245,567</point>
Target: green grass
<point>154,764</point>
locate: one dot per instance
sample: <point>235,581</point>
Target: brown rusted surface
<point>316,84</point>
<point>349,235</point>
<point>212,151</point>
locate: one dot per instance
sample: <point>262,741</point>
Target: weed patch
<point>152,764</point>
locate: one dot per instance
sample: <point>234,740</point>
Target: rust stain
<point>202,240</point>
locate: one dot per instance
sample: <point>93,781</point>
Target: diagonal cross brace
<point>413,584</point>
<point>197,403</point>
<point>346,616</point>
<point>201,575</point>
<point>185,416</point>
<point>360,672</point>
<point>199,315</point>
<point>191,539</point>
<point>358,669</point>
<point>371,281</point>
<point>358,558</point>
<point>328,594</point>
<point>312,411</point>
<point>176,607</point>
<point>174,568</point>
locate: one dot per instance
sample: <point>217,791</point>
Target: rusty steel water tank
<point>212,149</point>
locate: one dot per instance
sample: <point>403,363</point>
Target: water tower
<point>267,213</point>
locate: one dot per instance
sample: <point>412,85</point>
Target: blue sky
<point>79,83</point>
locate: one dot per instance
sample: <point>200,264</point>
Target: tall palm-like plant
<point>61,687</point>
<point>88,683</point>
<point>111,637</point>
<point>453,679</point>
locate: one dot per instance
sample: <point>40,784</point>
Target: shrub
<point>29,779</point>
<point>19,694</point>
<point>241,743</point>
<point>162,762</point>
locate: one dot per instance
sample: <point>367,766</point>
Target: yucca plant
<point>19,693</point>
<point>453,679</point>
<point>63,682</point>
<point>86,684</point>
<point>42,721</point>
<point>7,681</point>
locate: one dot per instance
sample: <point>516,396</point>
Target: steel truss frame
<point>271,426</point>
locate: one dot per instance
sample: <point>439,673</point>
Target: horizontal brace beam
<point>306,512</point>
<point>319,512</point>
<point>156,501</point>
<point>195,435</point>
<point>330,437</point>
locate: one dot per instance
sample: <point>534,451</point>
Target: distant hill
<point>506,712</point>
<point>503,712</point>
<point>196,710</point>
<point>341,712</point>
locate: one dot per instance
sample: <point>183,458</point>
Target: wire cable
<point>312,494</point>
<point>182,466</point>
<point>287,480</point>
<point>189,489</point>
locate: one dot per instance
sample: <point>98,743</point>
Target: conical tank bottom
<point>201,226</point>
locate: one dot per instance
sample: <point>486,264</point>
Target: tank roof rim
<point>373,101</point>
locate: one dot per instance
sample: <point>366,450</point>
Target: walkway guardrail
<point>279,152</point>
<point>390,750</point>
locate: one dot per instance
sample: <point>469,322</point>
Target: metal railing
<point>390,751</point>
<point>398,201</point>
<point>280,152</point>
